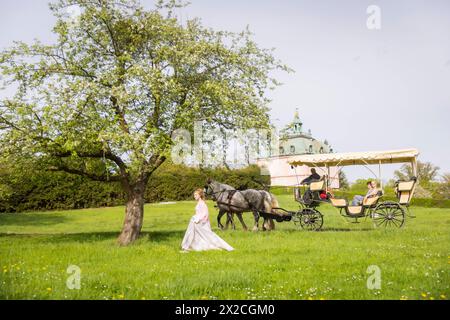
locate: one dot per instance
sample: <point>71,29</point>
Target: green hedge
<point>172,182</point>
<point>50,190</point>
<point>30,191</point>
<point>389,196</point>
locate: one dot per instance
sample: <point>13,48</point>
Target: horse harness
<point>230,196</point>
<point>265,215</point>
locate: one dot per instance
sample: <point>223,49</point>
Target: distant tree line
<point>33,189</point>
<point>431,185</point>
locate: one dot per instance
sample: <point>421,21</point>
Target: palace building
<point>295,141</point>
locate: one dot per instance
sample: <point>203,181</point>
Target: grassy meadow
<point>36,249</point>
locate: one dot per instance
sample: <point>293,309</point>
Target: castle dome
<point>294,141</point>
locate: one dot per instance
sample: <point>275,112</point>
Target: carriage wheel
<point>296,218</point>
<point>388,215</point>
<point>309,219</point>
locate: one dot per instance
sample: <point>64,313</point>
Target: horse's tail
<point>269,202</point>
<point>274,204</point>
<point>271,206</point>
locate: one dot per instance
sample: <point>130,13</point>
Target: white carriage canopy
<point>357,158</point>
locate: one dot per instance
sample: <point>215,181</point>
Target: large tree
<point>104,99</point>
<point>426,172</point>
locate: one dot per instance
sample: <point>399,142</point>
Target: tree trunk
<point>134,216</point>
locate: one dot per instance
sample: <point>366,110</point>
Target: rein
<point>230,196</point>
<point>265,215</point>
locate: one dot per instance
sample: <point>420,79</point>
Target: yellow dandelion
<point>49,289</point>
<point>143,298</point>
<point>121,296</point>
<point>322,298</point>
<point>431,298</point>
<point>424,295</point>
<point>310,298</point>
<point>443,296</point>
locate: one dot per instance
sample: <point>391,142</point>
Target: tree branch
<point>102,178</point>
<point>96,154</point>
<point>121,115</point>
<point>157,162</point>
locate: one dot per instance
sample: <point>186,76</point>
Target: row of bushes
<point>178,182</point>
<point>53,191</point>
<point>40,190</point>
<point>389,196</point>
<point>29,191</point>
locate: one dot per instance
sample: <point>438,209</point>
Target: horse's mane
<point>223,185</point>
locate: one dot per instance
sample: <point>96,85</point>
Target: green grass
<point>36,249</point>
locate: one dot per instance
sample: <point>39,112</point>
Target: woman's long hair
<point>201,193</point>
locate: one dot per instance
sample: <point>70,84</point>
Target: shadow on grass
<point>328,229</point>
<point>161,236</point>
<point>32,219</point>
<point>345,229</point>
<point>86,237</point>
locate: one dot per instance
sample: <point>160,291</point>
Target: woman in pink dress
<point>199,236</point>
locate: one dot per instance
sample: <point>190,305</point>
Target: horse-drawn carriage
<point>264,204</point>
<point>383,213</point>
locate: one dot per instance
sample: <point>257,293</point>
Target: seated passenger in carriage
<point>372,192</point>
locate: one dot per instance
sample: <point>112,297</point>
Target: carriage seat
<point>343,204</point>
<point>316,187</point>
<point>368,203</point>
<point>404,190</point>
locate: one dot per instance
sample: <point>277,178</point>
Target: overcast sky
<point>361,89</point>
